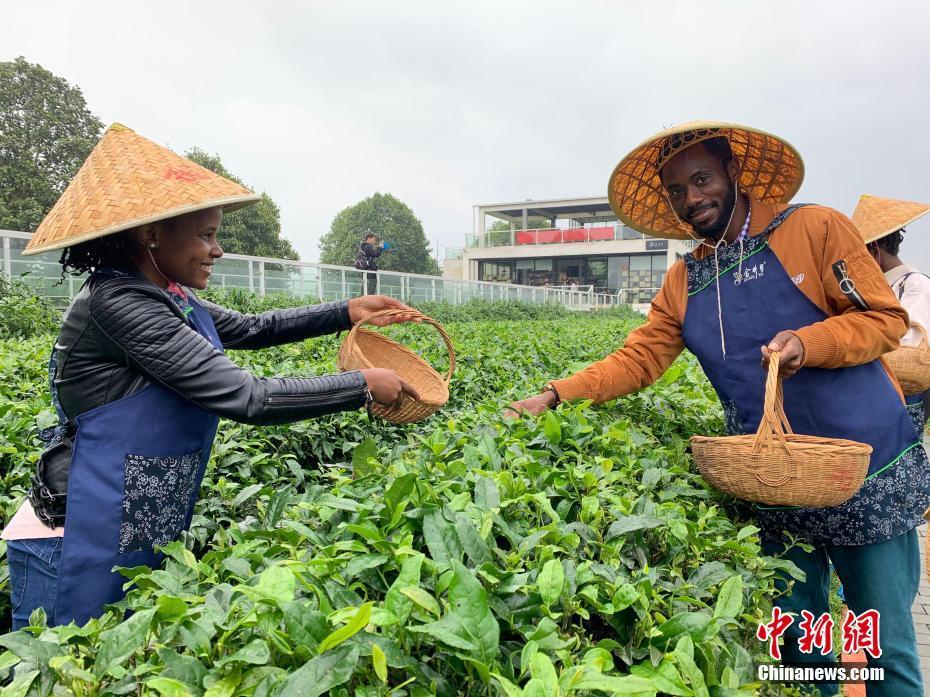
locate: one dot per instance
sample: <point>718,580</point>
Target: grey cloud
<point>451,104</point>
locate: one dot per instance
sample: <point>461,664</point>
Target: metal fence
<point>637,296</point>
<point>303,279</point>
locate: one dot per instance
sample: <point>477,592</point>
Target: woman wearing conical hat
<point>139,377</point>
<point>881,221</point>
<point>796,279</point>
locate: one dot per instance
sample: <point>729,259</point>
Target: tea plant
<point>577,553</point>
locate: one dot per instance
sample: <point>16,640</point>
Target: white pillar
<point>7,258</point>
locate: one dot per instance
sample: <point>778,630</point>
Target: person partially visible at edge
<point>140,378</point>
<point>881,222</point>
<point>767,277</point>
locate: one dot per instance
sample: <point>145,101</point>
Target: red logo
<point>773,630</point>
<point>862,633</point>
<point>184,174</point>
<point>816,633</point>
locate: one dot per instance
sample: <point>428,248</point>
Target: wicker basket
<point>779,468</point>
<point>363,348</point>
<point>911,364</point>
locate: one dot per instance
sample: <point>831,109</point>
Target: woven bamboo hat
<point>876,217</point>
<point>771,169</point>
<point>128,181</point>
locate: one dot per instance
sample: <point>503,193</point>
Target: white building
<point>558,242</point>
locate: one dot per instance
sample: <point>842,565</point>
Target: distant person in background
<point>369,249</point>
<point>881,222</point>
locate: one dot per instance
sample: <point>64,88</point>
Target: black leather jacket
<point>121,334</point>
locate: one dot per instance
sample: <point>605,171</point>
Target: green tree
<point>390,219</point>
<point>46,132</point>
<point>499,232</point>
<point>532,224</point>
<point>253,230</point>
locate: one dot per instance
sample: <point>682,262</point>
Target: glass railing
<point>305,279</point>
<point>536,236</point>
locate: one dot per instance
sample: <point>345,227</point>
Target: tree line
<point>47,131</point>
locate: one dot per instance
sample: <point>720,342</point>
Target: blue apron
<point>917,410</point>
<point>135,473</point>
<point>860,403</point>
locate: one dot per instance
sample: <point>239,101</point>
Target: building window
<point>595,273</point>
<point>605,273</point>
<point>636,271</point>
<point>533,272</point>
<point>497,271</point>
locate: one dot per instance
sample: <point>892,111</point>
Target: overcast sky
<point>449,104</point>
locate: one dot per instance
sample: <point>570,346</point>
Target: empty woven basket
<point>364,348</point>
<point>911,364</point>
<point>777,467</point>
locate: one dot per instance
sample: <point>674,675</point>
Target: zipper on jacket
<point>848,286</point>
<point>310,399</point>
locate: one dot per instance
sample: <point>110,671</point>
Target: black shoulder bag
<point>49,492</point>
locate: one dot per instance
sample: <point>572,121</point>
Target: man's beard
<point>718,228</point>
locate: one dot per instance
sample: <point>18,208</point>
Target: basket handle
<point>774,424</point>
<point>923,332</point>
<point>350,339</point>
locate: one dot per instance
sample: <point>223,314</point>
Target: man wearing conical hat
<point>881,221</point>
<point>796,279</point>
<point>139,376</point>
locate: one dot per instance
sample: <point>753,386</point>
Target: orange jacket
<point>807,244</point>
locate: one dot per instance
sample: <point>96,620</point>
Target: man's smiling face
<point>701,189</point>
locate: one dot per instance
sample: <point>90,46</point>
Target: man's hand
<point>533,405</point>
<point>790,353</point>
<point>360,308</point>
<point>387,387</point>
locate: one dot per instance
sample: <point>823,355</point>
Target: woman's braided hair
<point>114,251</point>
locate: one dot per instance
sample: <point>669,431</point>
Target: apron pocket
<point>156,494</point>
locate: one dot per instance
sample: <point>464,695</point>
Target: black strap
<point>904,278</point>
<point>782,217</point>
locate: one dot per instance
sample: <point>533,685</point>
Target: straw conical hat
<point>128,181</point>
<point>770,170</point>
<point>876,217</point>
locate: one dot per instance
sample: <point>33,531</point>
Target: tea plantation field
<point>579,553</point>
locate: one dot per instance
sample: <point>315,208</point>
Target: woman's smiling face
<point>186,247</point>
